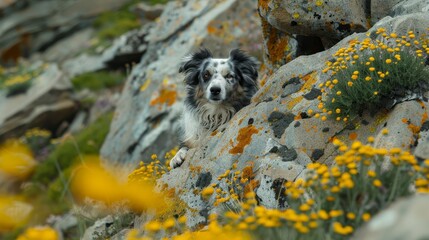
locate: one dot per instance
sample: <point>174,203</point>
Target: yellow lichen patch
<point>309,80</point>
<point>145,85</point>
<point>291,104</point>
<point>319,3</point>
<point>244,137</point>
<point>167,95</point>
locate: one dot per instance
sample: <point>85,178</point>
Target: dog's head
<point>216,79</point>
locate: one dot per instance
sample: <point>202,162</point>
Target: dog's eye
<point>228,76</point>
<point>206,76</point>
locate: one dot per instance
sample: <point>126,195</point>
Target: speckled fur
<point>235,78</point>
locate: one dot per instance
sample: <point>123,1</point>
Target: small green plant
<point>374,75</point>
<point>18,80</point>
<point>68,150</point>
<point>98,80</point>
<point>112,24</point>
<point>36,139</point>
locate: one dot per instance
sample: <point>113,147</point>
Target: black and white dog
<point>216,88</point>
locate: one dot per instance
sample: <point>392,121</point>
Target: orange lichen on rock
<point>244,137</point>
<point>309,80</point>
<point>277,42</point>
<point>413,128</point>
<point>166,96</point>
<point>291,104</point>
<point>211,29</point>
<point>424,117</point>
<point>353,136</point>
<point>263,4</point>
<point>247,172</point>
<point>251,186</point>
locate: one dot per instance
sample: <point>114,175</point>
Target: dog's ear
<point>246,66</point>
<point>190,65</point>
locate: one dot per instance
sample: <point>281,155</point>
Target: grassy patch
<point>98,80</point>
<point>112,24</point>
<point>87,142</point>
<point>373,75</point>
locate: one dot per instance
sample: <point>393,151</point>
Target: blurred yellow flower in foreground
<point>39,233</point>
<point>214,234</point>
<point>13,212</point>
<point>92,181</point>
<point>16,160</point>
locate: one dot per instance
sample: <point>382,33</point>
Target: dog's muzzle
<point>215,93</point>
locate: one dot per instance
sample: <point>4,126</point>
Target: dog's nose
<point>215,90</point>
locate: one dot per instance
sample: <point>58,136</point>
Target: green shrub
<point>373,75</point>
<point>18,80</point>
<point>87,142</point>
<point>113,24</point>
<point>98,80</point>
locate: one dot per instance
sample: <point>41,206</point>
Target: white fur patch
<point>200,122</point>
<point>178,159</point>
<point>218,68</point>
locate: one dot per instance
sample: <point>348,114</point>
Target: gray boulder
<point>44,22</point>
<point>276,136</point>
<point>405,219</point>
<point>46,104</point>
<point>410,6</point>
<point>332,19</point>
<point>382,8</point>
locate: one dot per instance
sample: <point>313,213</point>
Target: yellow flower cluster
<point>237,184</point>
<point>37,132</point>
<point>359,71</point>
<point>92,181</point>
<point>331,200</point>
<point>14,212</point>
<point>150,172</point>
<point>39,233</point>
<point>18,79</point>
<point>422,183</point>
<point>16,160</point>
<point>160,230</point>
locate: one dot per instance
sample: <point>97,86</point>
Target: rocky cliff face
<point>277,137</point>
<point>294,28</point>
<point>151,101</point>
<point>28,26</point>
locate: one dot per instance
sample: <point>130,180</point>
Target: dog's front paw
<point>177,160</point>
